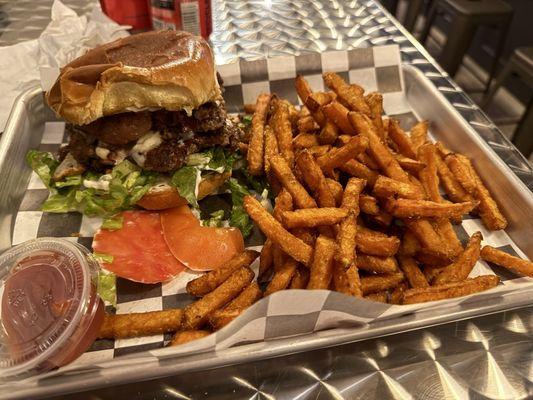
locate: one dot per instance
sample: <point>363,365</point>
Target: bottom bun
<point>164,195</point>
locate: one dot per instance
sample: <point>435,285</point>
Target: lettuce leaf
<point>114,223</point>
<point>44,165</point>
<point>185,180</point>
<point>102,257</point>
<point>238,217</point>
<point>106,286</point>
<point>216,220</point>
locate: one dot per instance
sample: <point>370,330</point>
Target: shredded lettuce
<point>106,286</point>
<point>102,257</point>
<point>75,180</point>
<point>185,180</point>
<point>43,163</point>
<point>216,220</point>
<point>113,223</point>
<point>91,194</point>
<point>247,120</point>
<point>239,218</point>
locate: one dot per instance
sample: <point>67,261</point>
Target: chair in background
<point>521,64</point>
<point>467,16</point>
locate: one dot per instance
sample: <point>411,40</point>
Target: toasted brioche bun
<point>163,196</point>
<point>170,70</point>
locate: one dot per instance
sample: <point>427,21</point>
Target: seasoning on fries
<point>121,326</point>
<point>256,148</point>
<point>506,260</point>
<point>450,290</point>
<point>461,267</point>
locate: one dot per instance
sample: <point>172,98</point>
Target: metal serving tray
<point>24,131</point>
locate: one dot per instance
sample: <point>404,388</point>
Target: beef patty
<point>182,135</point>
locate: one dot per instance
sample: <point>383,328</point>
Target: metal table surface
<point>489,357</point>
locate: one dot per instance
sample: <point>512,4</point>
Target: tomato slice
<point>200,248</point>
<point>139,250</point>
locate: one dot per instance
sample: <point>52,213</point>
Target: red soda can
<point>186,15</point>
<point>128,12</point>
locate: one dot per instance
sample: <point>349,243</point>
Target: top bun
<point>171,70</point>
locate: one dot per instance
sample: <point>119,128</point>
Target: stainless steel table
<point>489,357</point>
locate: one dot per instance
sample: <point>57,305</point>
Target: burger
<point>147,126</point>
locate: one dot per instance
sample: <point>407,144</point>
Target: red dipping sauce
<point>50,312</point>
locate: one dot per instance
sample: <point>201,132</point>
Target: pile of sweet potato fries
<point>358,210</point>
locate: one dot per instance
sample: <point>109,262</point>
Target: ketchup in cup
<point>49,310</point>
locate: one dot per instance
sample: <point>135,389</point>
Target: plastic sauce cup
<point>49,310</point>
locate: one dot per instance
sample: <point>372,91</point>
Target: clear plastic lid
<point>46,295</point>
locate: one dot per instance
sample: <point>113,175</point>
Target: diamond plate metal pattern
<point>257,29</point>
<point>484,358</point>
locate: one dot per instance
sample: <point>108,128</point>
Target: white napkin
<point>66,37</point>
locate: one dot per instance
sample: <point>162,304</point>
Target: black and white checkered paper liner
<point>284,314</point>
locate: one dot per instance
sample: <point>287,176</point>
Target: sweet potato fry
<point>283,203</point>
<point>315,179</point>
<point>328,134</point>
<point>376,243</point>
<point>367,160</point>
<point>380,297</point>
<point>427,236</point>
<point>396,295</point>
<point>140,324</point>
<point>412,272</point>
<point>380,265</point>
<point>343,140</point>
<point>428,175</point>
<point>410,244</point>
<point>346,235</point>
<point>459,165</point>
<point>445,230</point>
<point>368,204</point>
<point>336,189</point>
<point>188,336</point>
<point>266,259</point>
<point>503,259</point>
<point>303,89</point>
<point>430,272</point>
<point>377,283</point>
<point>281,168</point>
<point>350,199</point>
<point>290,244</point>
<point>318,151</point>
<point>305,140</point>
<point>413,166</point>
<point>342,155</point>
<point>316,100</point>
<point>271,149</point>
<point>236,307</point>
<point>375,102</point>
<point>400,138</point>
<point>386,188</point>
<point>210,281</point>
<point>461,267</point>
<point>257,139</point>
<point>197,313</point>
<point>338,115</point>
<point>347,281</point>
<point>450,290</point>
<point>419,134</point>
<point>352,95</point>
<point>307,124</point>
<point>376,148</point>
<point>281,125</point>
<point>359,170</point>
<point>300,278</point>
<point>313,217</point>
<point>282,277</point>
<point>489,212</point>
<point>321,269</point>
<point>408,208</point>
<point>451,186</point>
